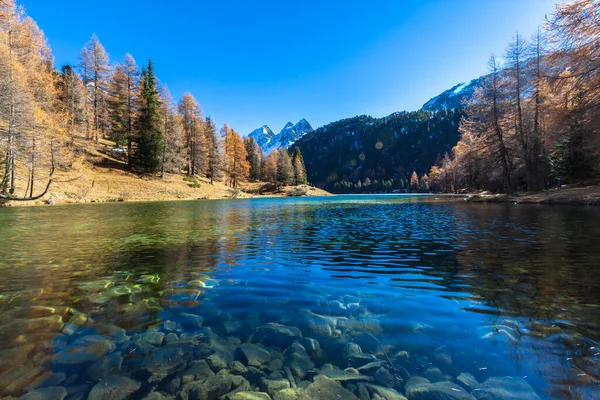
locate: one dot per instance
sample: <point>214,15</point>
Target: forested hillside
<point>534,122</point>
<point>55,122</point>
<point>366,154</point>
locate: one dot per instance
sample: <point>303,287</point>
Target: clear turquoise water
<point>489,290</point>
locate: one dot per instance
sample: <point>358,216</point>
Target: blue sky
<point>256,62</point>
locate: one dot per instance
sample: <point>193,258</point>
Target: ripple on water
<point>371,297</point>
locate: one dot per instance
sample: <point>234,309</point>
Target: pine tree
<point>285,171</point>
<point>117,105</point>
<point>173,156</point>
<point>72,96</point>
<point>213,155</point>
<point>193,125</point>
<point>253,158</point>
<point>95,70</point>
<point>148,153</point>
<point>299,168</point>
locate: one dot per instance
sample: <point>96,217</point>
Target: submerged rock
<point>49,393</point>
<point>197,370</point>
<point>347,375</point>
<point>382,393</point>
<point>298,360</point>
<point>468,381</point>
<point>247,396</point>
<point>385,378</point>
<point>191,321</point>
<point>315,325</point>
<point>48,379</point>
<point>162,363</point>
<point>277,334</point>
<point>108,365</point>
<point>505,388</point>
<point>254,355</point>
<point>114,388</point>
<point>324,388</point>
<point>418,388</point>
<point>215,387</point>
<point>12,357</point>
<point>360,325</point>
<point>84,350</point>
<point>274,386</point>
<point>433,374</point>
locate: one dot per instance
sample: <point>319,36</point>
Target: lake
<point>370,297</point>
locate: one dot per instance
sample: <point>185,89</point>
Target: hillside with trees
<point>365,154</point>
<point>80,124</point>
<point>534,122</point>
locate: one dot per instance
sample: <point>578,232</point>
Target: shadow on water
<point>410,286</point>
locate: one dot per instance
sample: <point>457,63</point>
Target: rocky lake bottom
<point>353,298</point>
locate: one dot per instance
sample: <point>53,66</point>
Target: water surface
<point>424,287</point>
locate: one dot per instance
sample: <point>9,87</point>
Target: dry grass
<point>101,176</point>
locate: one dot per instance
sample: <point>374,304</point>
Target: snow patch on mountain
<point>453,97</point>
<point>285,138</point>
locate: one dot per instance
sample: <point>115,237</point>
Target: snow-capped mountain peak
<point>285,138</point>
<point>262,136</point>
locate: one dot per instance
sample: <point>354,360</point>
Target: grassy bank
<point>102,177</point>
<point>588,195</point>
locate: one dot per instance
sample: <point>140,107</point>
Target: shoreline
<point>580,196</point>
<point>241,196</point>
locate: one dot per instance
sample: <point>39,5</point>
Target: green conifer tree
<point>253,158</point>
<point>149,125</point>
<point>299,168</point>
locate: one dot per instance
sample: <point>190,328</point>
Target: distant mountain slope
<point>388,148</point>
<point>285,138</point>
<point>452,98</point>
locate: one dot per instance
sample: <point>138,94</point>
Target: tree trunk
<point>504,156</point>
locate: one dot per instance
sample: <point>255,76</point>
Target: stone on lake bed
<point>272,386</point>
<point>84,350</point>
<point>47,379</point>
<point>191,321</point>
<point>505,388</point>
<point>315,325</point>
<point>15,356</point>
<point>114,388</point>
<point>468,381</point>
<point>216,362</point>
<point>253,355</point>
<point>247,396</point>
<point>48,393</point>
<point>371,367</point>
<point>433,374</point>
<point>337,308</point>
<point>298,360</point>
<point>347,375</point>
<point>277,334</point>
<point>153,338</point>
<point>324,388</point>
<point>163,362</point>
<point>382,393</point>
<point>385,378</point>
<point>360,325</point>
<point>418,388</point>
<point>215,387</point>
